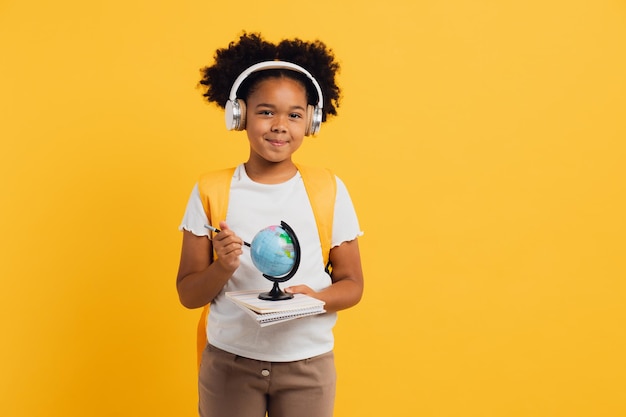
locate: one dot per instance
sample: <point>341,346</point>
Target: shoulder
<point>314,170</point>
<point>317,176</point>
<point>217,175</point>
<point>214,189</point>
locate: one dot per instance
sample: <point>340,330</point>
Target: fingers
<point>227,236</point>
<point>228,247</point>
<point>299,289</point>
<point>226,241</point>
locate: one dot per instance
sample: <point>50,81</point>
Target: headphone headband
<point>235,109</point>
<point>275,65</point>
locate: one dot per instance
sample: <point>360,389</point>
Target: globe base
<point>275,294</point>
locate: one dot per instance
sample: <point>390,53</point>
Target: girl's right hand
<point>227,246</point>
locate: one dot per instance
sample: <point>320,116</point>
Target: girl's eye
<point>295,115</point>
<point>266,112</point>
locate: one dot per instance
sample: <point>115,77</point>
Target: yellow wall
<point>483,144</point>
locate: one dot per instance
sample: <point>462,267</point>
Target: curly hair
<point>250,49</point>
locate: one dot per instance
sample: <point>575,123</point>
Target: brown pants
<point>233,386</point>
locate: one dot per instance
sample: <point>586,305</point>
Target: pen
<point>216,230</point>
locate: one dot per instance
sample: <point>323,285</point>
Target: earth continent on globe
<point>272,251</point>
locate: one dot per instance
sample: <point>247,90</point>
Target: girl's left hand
<point>300,289</point>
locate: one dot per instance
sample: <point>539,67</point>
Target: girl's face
<point>275,119</point>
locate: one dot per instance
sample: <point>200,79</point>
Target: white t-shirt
<point>252,207</point>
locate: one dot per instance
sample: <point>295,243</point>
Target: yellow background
<point>483,145</point>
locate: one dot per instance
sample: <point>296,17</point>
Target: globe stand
<point>276,293</point>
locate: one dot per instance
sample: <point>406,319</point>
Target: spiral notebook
<point>267,312</point>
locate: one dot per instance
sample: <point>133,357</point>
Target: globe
<point>272,251</point>
<point>275,252</point>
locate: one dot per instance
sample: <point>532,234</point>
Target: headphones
<point>235,109</point>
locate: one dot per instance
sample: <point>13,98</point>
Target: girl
<point>286,369</point>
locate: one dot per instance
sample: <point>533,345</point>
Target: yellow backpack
<point>321,189</point>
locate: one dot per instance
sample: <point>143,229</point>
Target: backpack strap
<point>214,188</point>
<point>321,188</point>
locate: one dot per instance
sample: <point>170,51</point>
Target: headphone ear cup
<point>313,120</point>
<point>235,114</point>
<point>309,120</point>
<point>242,115</point>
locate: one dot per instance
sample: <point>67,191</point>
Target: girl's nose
<point>279,124</point>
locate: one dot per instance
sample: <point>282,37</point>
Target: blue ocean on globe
<point>272,251</point>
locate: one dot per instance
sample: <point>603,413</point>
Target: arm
<point>347,276</point>
<point>199,278</point>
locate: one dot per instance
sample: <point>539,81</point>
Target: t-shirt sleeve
<point>195,217</point>
<point>345,223</point>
